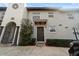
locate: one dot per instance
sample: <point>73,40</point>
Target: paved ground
<point>33,51</point>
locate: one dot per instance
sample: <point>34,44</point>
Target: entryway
<point>40,24</point>
<point>40,33</point>
<point>8,33</point>
<point>40,37</point>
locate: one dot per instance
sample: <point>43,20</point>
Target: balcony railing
<point>40,20</point>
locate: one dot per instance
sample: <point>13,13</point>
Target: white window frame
<point>70,16</point>
<point>36,17</point>
<point>52,28</point>
<point>50,15</point>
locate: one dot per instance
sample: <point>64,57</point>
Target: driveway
<point>33,51</point>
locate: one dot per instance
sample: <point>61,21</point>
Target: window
<point>66,27</point>
<point>12,18</point>
<point>50,15</point>
<point>60,24</point>
<point>70,16</point>
<point>36,17</point>
<point>52,29</point>
<point>15,6</point>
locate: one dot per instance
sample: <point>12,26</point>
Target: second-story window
<point>70,16</point>
<point>36,17</point>
<point>50,15</point>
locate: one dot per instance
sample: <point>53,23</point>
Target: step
<point>40,44</point>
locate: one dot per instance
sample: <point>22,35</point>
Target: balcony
<point>40,21</point>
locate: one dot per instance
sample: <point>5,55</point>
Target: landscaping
<point>58,42</point>
<point>25,34</point>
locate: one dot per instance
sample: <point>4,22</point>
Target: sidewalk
<point>33,51</point>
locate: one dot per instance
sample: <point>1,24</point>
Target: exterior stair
<point>40,43</point>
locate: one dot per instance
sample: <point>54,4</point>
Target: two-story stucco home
<point>48,23</point>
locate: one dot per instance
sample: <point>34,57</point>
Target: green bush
<point>28,43</point>
<point>25,34</point>
<point>58,42</point>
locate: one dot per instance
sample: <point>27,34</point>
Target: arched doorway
<point>8,33</point>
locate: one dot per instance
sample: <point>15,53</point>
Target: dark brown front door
<point>40,33</point>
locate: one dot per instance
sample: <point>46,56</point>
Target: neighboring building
<point>48,23</point>
<point>2,13</point>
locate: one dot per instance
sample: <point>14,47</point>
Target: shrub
<point>25,34</point>
<point>58,42</point>
<point>29,43</point>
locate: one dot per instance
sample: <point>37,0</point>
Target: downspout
<point>75,33</point>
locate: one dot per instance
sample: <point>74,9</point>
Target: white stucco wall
<point>59,18</point>
<point>16,13</point>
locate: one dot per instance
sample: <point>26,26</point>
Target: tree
<point>25,34</point>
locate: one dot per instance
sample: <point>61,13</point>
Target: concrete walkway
<point>33,51</point>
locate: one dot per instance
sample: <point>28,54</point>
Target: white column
<point>14,36</point>
<point>2,33</point>
<point>18,35</point>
